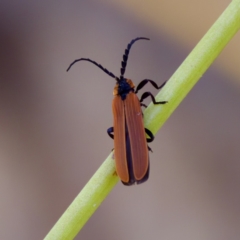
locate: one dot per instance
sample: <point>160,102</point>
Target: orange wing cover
<point>130,145</point>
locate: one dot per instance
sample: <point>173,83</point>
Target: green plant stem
<point>194,66</point>
<point>182,81</point>
<point>86,203</point>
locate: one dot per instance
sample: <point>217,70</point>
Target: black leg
<point>147,94</point>
<point>149,149</point>
<point>150,134</point>
<point>145,81</point>
<point>110,132</point>
<point>143,105</point>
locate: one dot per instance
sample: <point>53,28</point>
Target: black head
<point>124,87</point>
<point>123,84</point>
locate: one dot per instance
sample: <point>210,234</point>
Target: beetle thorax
<point>123,87</point>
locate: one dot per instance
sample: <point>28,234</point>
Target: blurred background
<point>53,123</point>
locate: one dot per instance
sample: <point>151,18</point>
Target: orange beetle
<point>130,142</point>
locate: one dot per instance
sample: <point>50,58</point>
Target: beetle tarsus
<point>150,134</point>
<point>110,132</point>
<point>145,81</point>
<point>147,94</point>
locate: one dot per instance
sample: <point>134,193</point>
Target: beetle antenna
<point>95,63</point>
<point>125,56</point>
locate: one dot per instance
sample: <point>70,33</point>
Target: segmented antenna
<point>95,63</point>
<point>124,62</point>
<point>125,56</point>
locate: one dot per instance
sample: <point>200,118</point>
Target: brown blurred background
<point>53,124</point>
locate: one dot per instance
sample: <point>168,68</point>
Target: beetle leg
<point>149,149</point>
<point>150,134</point>
<point>110,132</point>
<point>147,94</point>
<point>143,105</point>
<point>145,81</point>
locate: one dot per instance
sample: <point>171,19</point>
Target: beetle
<point>131,151</point>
